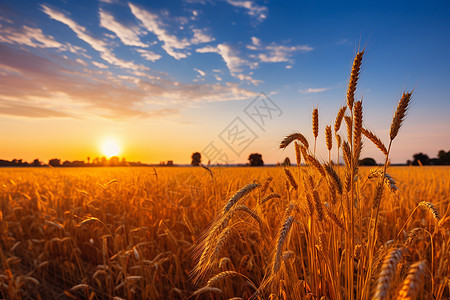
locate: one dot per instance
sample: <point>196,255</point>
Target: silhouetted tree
<point>444,157</point>
<point>196,159</point>
<point>54,162</point>
<point>368,161</point>
<point>423,158</point>
<point>255,159</point>
<point>36,163</point>
<point>286,162</point>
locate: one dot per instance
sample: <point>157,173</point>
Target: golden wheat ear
<point>354,79</point>
<point>400,113</point>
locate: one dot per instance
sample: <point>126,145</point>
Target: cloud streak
<point>153,24</point>
<point>34,86</point>
<point>253,9</point>
<point>96,44</point>
<point>129,35</point>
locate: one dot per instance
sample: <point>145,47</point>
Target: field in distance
<point>144,233</point>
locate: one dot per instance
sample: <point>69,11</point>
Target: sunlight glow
<point>110,147</point>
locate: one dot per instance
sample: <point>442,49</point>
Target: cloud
<point>12,108</point>
<point>248,79</point>
<point>34,86</point>
<point>314,91</point>
<point>253,9</point>
<point>99,65</point>
<point>149,55</point>
<point>200,37</point>
<point>200,72</point>
<point>152,23</point>
<point>32,37</point>
<point>96,44</point>
<point>229,55</point>
<point>127,34</point>
<point>280,53</point>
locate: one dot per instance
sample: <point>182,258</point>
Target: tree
<point>36,163</point>
<point>286,162</point>
<point>420,157</point>
<point>444,157</point>
<point>54,162</point>
<point>367,161</point>
<point>196,159</point>
<point>255,159</point>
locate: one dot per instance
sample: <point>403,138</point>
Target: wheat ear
<point>400,114</point>
<point>413,281</point>
<point>235,198</point>
<point>354,79</point>
<point>375,140</point>
<point>281,239</point>
<point>292,137</point>
<point>387,274</point>
<point>291,179</point>
<point>339,117</point>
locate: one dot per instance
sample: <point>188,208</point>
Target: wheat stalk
<point>315,126</point>
<point>235,198</point>
<point>412,285</point>
<point>291,179</point>
<point>387,273</point>
<point>318,205</point>
<point>375,140</point>
<point>354,79</point>
<point>298,155</point>
<point>294,137</point>
<point>269,197</point>
<point>430,207</point>
<point>281,239</point>
<point>339,117</point>
<point>400,114</point>
<point>357,129</point>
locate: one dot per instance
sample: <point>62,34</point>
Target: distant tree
<point>368,161</point>
<point>54,162</point>
<point>36,163</point>
<point>196,159</point>
<point>286,162</point>
<point>255,159</point>
<point>114,161</point>
<point>423,158</point>
<point>444,157</point>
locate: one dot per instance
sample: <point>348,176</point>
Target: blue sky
<point>165,78</point>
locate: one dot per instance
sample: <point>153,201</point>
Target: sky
<point>160,80</point>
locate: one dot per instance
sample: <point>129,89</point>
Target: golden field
<point>138,233</point>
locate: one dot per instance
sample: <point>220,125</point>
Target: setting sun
<point>110,147</point>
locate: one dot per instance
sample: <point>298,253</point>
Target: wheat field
<point>132,233</point>
<point>320,230</point>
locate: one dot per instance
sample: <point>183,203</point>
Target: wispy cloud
<point>153,24</point>
<point>253,9</point>
<point>233,62</point>
<point>249,79</point>
<point>200,37</point>
<point>279,53</point>
<point>34,86</point>
<point>129,35</point>
<point>314,90</point>
<point>149,55</point>
<point>200,72</point>
<point>96,44</point>
<point>228,54</point>
<point>28,36</point>
<point>99,65</point>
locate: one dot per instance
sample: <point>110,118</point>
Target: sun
<point>110,147</point>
